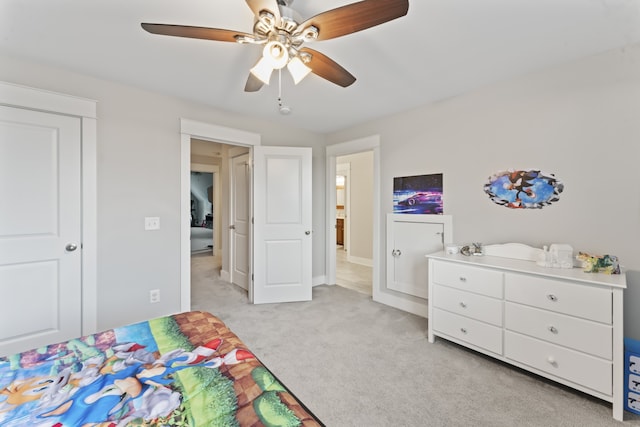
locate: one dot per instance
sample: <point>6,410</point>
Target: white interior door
<point>282,224</point>
<point>240,217</point>
<point>40,229</point>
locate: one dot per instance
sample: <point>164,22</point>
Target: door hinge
<point>252,277</point>
<point>251,220</point>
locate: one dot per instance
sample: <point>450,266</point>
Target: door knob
<point>307,232</point>
<point>71,247</point>
<point>232,227</point>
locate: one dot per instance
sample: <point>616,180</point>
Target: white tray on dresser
<point>562,324</point>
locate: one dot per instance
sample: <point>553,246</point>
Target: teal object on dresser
<point>632,375</point>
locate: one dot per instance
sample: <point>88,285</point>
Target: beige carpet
<point>355,362</point>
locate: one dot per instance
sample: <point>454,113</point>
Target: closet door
<point>40,228</point>
<point>409,239</point>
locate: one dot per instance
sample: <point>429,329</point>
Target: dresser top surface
<point>530,267</point>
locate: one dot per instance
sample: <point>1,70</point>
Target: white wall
<point>580,121</point>
<point>140,130</point>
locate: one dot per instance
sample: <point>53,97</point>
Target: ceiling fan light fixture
<point>298,69</point>
<point>276,54</point>
<point>265,23</point>
<point>262,70</point>
<point>310,34</point>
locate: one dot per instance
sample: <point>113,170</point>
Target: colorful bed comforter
<point>188,369</point>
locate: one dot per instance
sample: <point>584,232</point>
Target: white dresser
<point>562,324</point>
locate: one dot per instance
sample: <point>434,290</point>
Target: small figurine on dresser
<point>472,249</point>
<point>607,264</point>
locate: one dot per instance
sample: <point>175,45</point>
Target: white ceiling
<point>442,48</point>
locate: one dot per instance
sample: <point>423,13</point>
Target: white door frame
<point>13,95</point>
<point>210,132</point>
<point>370,143</point>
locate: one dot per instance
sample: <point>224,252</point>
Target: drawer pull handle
<point>553,329</point>
<point>463,279</point>
<point>463,305</point>
<point>552,361</point>
<point>463,330</point>
<point>552,297</point>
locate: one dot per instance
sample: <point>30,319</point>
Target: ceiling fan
<point>282,33</point>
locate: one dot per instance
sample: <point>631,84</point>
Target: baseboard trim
<point>224,275</point>
<point>413,307</point>
<point>318,280</point>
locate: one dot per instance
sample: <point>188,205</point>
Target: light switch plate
<point>152,223</point>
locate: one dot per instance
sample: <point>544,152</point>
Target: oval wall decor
<point>518,189</point>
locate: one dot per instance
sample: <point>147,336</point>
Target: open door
<point>240,221</point>
<point>282,224</point>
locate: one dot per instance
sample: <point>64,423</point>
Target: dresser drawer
<point>563,297</point>
<point>472,331</point>
<point>578,334</point>
<point>467,304</point>
<point>473,279</point>
<point>579,368</point>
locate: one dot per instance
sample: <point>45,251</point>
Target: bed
<point>187,369</point>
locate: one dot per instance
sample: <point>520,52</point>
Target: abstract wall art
<point>523,189</point>
<point>420,194</point>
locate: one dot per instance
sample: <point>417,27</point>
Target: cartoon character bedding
<point>188,369</point>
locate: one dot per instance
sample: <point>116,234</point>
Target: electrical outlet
<point>152,223</point>
<point>154,295</point>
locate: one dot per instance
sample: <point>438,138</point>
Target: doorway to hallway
<point>212,204</point>
<point>354,221</point>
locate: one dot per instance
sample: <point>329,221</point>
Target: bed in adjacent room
<point>187,369</point>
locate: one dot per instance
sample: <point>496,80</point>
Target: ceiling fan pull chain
<point>284,109</point>
<point>280,87</point>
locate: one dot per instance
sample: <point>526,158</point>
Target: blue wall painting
<point>421,194</point>
<point>520,189</point>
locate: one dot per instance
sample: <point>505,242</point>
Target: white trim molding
<point>43,100</point>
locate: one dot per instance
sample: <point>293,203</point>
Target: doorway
<point>205,205</point>
<point>225,138</point>
<point>354,221</point>
<point>219,210</point>
<point>338,153</point>
<point>289,194</point>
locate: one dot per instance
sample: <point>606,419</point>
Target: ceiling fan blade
<point>254,84</point>
<point>328,69</point>
<point>194,32</point>
<point>258,6</point>
<point>356,17</point>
